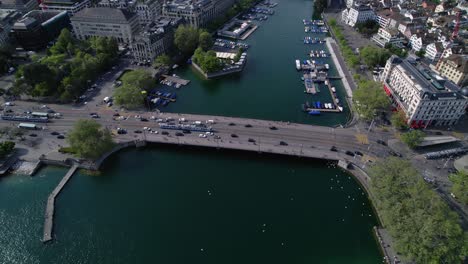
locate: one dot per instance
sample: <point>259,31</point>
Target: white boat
<point>337,100</point>
<point>340,108</point>
<point>333,89</point>
<point>327,66</point>
<point>298,65</point>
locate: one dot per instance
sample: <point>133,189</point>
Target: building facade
<point>388,36</point>
<point>155,39</point>
<point>425,98</point>
<point>359,13</point>
<point>22,6</point>
<point>71,6</point>
<point>197,13</point>
<point>454,68</point>
<point>105,22</point>
<point>148,11</point>
<point>433,51</point>
<point>7,18</point>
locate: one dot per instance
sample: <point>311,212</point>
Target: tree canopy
<point>422,226</point>
<point>460,186</point>
<point>65,72</point>
<point>131,93</point>
<point>413,138</point>
<point>205,40</point>
<point>6,147</point>
<point>370,98</point>
<point>398,120</point>
<point>368,27</point>
<point>89,140</point>
<point>374,56</point>
<point>162,59</point>
<point>186,39</point>
<point>207,60</point>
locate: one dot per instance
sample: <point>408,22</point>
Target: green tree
<point>398,120</point>
<point>62,44</point>
<point>370,98</point>
<point>420,53</point>
<point>6,148</point>
<point>186,39</point>
<point>373,56</point>
<point>319,7</point>
<point>205,40</point>
<point>413,138</point>
<point>163,59</point>
<point>89,140</point>
<point>460,186</point>
<point>423,227</point>
<point>131,94</point>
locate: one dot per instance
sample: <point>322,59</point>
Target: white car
<point>202,135</point>
<point>9,104</point>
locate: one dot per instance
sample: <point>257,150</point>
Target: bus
<point>28,126</point>
<point>39,114</point>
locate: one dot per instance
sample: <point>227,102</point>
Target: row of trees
<point>373,56</point>
<point>135,85</point>
<point>413,138</point>
<point>369,98</point>
<point>6,147</point>
<point>89,140</point>
<point>348,54</point>
<point>67,69</point>
<point>422,225</point>
<point>207,61</point>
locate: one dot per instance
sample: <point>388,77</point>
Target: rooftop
<point>103,14</point>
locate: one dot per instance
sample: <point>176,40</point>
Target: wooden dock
<point>49,213</point>
<point>309,84</point>
<point>175,79</point>
<point>323,110</point>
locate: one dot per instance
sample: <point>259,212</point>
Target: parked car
<point>179,134</point>
<point>55,133</point>
<point>60,136</point>
<point>165,133</point>
<point>349,153</point>
<point>144,119</point>
<point>333,148</point>
<point>251,140</point>
<point>381,142</point>
<point>138,131</point>
<point>232,124</point>
<point>282,143</point>
<point>358,153</point>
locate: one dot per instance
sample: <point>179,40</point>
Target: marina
<point>312,40</point>
<point>175,80</point>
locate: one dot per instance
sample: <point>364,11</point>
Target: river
<point>165,204</point>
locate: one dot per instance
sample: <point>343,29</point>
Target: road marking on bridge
<point>362,138</point>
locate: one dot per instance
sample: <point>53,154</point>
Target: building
<point>71,6</point>
<point>197,13</point>
<point>454,68</point>
<point>105,22</point>
<point>388,36</point>
<point>38,27</point>
<point>359,13</point>
<point>426,99</point>
<point>148,11</point>
<point>7,18</point>
<point>22,6</point>
<point>155,39</point>
<point>433,51</point>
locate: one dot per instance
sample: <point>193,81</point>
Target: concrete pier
<point>49,213</point>
<point>330,45</point>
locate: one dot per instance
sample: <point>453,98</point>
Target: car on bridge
<point>349,153</point>
<point>273,128</point>
<point>333,148</point>
<point>251,140</point>
<point>231,124</point>
<point>248,125</point>
<point>234,135</point>
<point>282,143</point>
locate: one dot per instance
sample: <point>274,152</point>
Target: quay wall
<point>215,74</point>
<point>349,91</point>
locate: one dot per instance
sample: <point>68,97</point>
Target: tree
<point>420,53</point>
<point>186,39</point>
<point>422,225</point>
<point>205,40</point>
<point>460,186</point>
<point>62,44</point>
<point>207,61</point>
<point>370,98</point>
<point>6,148</point>
<point>319,7</point>
<point>398,120</point>
<point>162,59</point>
<point>413,138</point>
<point>89,140</point>
<point>131,93</point>
<point>373,56</point>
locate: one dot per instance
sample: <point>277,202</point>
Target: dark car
<point>251,140</point>
<point>121,131</point>
<point>179,134</point>
<point>273,128</point>
<point>349,153</point>
<point>116,114</point>
<point>438,133</point>
<point>91,114</point>
<point>95,116</point>
<point>217,137</point>
<point>9,111</point>
<point>138,131</point>
<point>186,131</point>
<point>144,119</point>
<point>50,111</point>
<point>248,125</point>
<point>60,136</point>
<point>164,133</point>
<point>395,154</point>
<point>234,135</point>
<point>333,148</point>
<point>232,124</point>
<point>282,143</point>
<point>55,133</point>
<point>358,153</point>
<point>33,135</point>
<point>381,142</point>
